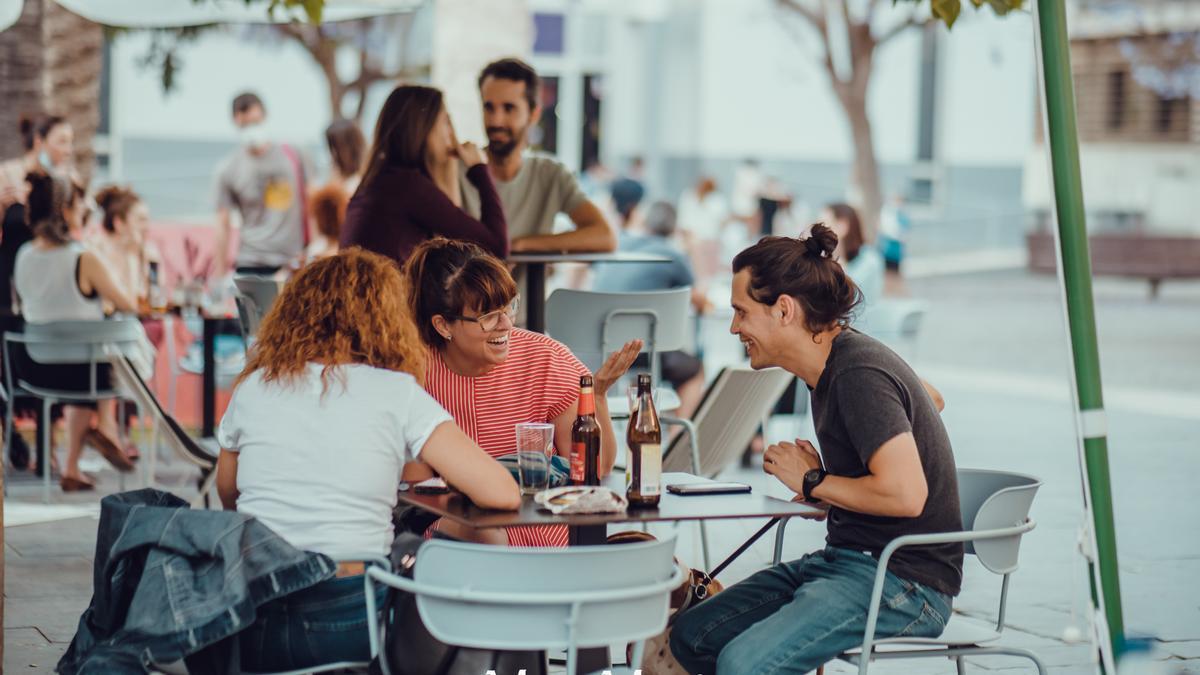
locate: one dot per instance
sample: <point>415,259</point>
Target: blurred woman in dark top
<point>410,191</point>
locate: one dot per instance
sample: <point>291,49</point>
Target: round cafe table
<point>535,277</point>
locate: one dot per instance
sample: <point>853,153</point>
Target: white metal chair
<point>254,296</point>
<point>593,325</point>
<point>895,321</point>
<point>995,511</point>
<point>88,343</point>
<point>537,598</point>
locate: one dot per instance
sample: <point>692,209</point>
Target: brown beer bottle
<point>585,438</point>
<point>643,473</point>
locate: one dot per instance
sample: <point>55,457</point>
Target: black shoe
<point>18,452</point>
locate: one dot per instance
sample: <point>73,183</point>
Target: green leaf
<point>946,10</point>
<point>1002,7</point>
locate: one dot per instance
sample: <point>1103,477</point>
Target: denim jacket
<point>171,581</point>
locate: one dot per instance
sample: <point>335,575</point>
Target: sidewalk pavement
<point>994,344</point>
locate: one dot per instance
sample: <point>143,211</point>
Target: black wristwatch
<point>811,480</point>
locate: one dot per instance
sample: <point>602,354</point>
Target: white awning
<point>172,13</point>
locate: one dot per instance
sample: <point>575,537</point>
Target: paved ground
<point>994,344</point>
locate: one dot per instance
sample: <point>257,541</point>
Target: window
<point>1171,114</point>
<point>1116,98</point>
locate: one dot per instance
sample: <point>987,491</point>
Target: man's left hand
<point>790,461</point>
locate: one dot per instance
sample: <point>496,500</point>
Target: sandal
<point>75,485</point>
<point>108,449</point>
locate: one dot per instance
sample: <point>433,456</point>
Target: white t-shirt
<point>322,470</point>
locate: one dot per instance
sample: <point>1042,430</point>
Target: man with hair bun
<point>885,470</point>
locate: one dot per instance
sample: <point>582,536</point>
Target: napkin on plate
<point>581,499</point>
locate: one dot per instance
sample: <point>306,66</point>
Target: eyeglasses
<point>488,322</point>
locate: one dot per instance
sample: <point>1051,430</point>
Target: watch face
<point>812,476</point>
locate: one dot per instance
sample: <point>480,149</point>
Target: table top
<point>456,507</point>
<point>615,257</point>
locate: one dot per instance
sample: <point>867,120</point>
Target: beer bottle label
<point>651,470</point>
<point>578,462</point>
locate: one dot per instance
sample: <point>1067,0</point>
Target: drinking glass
<point>535,442</point>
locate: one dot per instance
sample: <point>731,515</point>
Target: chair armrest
<point>919,540</point>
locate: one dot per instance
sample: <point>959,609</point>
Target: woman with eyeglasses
<point>490,375</point>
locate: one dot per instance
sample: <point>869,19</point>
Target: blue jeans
<point>798,615</point>
<point>323,624</point>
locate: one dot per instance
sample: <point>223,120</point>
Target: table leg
<point>535,288</point>
<point>592,659</point>
<point>209,378</point>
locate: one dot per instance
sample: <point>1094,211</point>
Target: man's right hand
<point>469,154</point>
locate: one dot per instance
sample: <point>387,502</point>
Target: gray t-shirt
<point>866,396</point>
<point>267,192</point>
<point>542,189</point>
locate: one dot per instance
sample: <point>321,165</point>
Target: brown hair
<point>345,309</point>
<point>346,146</point>
<point>116,202</point>
<point>446,277</point>
<point>852,242</point>
<point>27,125</point>
<point>47,123</point>
<point>805,270</point>
<point>328,208</point>
<point>515,70</point>
<point>402,131</point>
<point>244,101</point>
<point>49,195</point>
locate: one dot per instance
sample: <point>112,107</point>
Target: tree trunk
<point>74,50</point>
<point>21,91</point>
<point>866,166</point>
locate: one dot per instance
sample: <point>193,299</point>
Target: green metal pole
<point>1077,277</point>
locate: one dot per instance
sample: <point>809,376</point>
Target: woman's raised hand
<point>616,366</point>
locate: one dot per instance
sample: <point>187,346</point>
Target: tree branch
<point>815,18</point>
<point>911,22</point>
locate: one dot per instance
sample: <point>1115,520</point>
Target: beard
<point>505,148</point>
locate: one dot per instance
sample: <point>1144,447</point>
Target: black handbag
<point>411,650</point>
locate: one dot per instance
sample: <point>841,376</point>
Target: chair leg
<point>704,545</point>
<point>960,665</point>
<point>47,449</point>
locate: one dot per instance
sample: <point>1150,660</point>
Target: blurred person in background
<point>411,193</point>
<point>703,214</point>
<point>13,193</point>
<point>860,259</point>
<point>57,153</point>
<point>894,226</point>
<point>122,243</point>
<point>264,182</point>
<point>347,147</point>
<point>684,371</point>
<point>327,204</point>
<point>327,212</point>
<point>57,279</point>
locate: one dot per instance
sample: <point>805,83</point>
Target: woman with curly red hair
<point>322,421</point>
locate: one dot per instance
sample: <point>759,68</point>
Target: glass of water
<point>535,442</point>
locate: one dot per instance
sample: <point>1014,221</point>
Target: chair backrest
<point>564,573</point>
<point>254,296</point>
<point>82,342</point>
<point>727,418</point>
<point>893,318</point>
<point>991,500</point>
<point>187,447</point>
<point>593,324</point>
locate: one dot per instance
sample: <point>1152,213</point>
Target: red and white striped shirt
<point>536,383</point>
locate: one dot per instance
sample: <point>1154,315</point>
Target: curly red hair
<point>347,308</point>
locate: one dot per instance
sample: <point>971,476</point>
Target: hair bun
<point>821,241</point>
